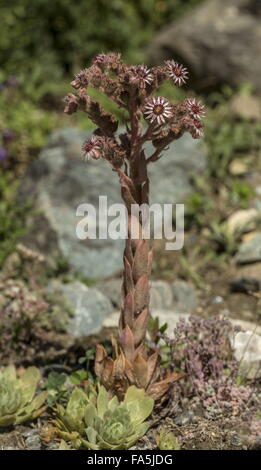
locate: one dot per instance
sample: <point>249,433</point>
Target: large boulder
<point>220,42</point>
<point>59,180</point>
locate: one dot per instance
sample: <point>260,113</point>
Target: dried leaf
<point>127,342</point>
<point>99,360</point>
<point>107,373</point>
<point>119,365</point>
<point>158,389</point>
<point>105,121</point>
<point>140,370</point>
<point>152,366</point>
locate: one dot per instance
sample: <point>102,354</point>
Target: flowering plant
<point>149,118</point>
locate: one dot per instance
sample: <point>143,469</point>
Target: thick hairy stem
<point>137,262</point>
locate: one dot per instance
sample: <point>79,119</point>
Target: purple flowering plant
<point>203,348</point>
<point>148,118</point>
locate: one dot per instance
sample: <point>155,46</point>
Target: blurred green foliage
<point>227,136</point>
<point>12,215</point>
<point>47,39</point>
<point>29,123</point>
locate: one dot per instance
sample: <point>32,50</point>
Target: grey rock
<point>247,350</point>
<point>250,252</point>
<point>219,40</point>
<point>33,442</point>
<point>161,296</point>
<point>112,289</point>
<point>184,296</point>
<point>171,318</point>
<point>60,180</point>
<point>246,325</point>
<point>30,432</point>
<point>89,306</point>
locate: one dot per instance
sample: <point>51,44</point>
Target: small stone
<point>33,442</point>
<point>185,297</point>
<point>246,107</point>
<point>252,271</point>
<point>30,433</point>
<point>185,418</point>
<point>217,300</point>
<point>161,296</point>
<point>245,285</point>
<point>247,350</point>
<point>246,325</point>
<point>111,321</point>
<point>258,190</point>
<point>250,252</point>
<point>238,168</point>
<point>171,318</point>
<point>236,441</point>
<point>243,221</point>
<point>247,237</point>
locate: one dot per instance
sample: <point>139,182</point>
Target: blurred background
<point>42,177</point>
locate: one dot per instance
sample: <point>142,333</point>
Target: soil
<point>201,434</point>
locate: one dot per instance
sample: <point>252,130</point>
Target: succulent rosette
<point>18,399</point>
<point>100,422</point>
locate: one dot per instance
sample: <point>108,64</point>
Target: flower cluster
<point>131,88</point>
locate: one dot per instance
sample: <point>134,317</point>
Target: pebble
<point>32,439</point>
<point>187,417</point>
<point>217,300</point>
<point>236,441</point>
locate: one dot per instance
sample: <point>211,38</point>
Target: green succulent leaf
<point>8,373</point>
<point>78,400</point>
<point>92,435</point>
<point>102,402</point>
<point>113,403</point>
<point>18,402</point>
<point>90,413</point>
<point>138,404</point>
